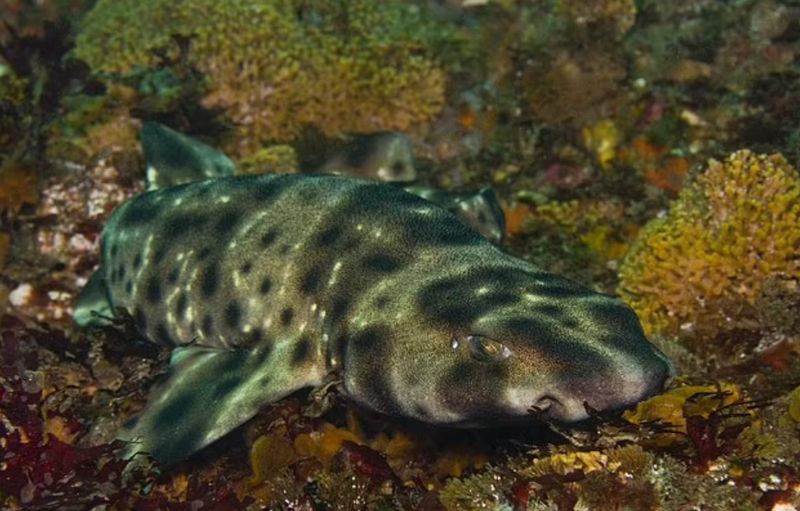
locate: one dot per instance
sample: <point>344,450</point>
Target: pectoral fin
<point>93,307</point>
<point>210,392</point>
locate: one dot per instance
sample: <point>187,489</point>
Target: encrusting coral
<point>274,67</point>
<point>702,268</point>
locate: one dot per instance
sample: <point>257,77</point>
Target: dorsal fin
<point>482,211</point>
<point>380,156</point>
<point>174,158</point>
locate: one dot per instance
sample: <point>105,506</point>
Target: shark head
<point>494,342</point>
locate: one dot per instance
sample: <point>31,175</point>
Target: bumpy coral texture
<point>703,267</point>
<point>275,66</point>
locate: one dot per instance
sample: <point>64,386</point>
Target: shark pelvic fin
<point>210,392</point>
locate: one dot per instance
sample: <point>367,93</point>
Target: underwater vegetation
<point>728,243</point>
<point>276,67</point>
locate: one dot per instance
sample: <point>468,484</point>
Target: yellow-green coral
<point>275,66</point>
<point>702,268</point>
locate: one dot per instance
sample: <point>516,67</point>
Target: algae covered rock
<point>274,67</point>
<point>704,268</point>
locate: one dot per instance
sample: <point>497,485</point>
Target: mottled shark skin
<point>385,156</point>
<point>267,284</point>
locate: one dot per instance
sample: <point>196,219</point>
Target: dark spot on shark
<point>182,224</point>
<point>366,351</point>
<point>233,314</point>
<point>228,221</point>
<point>226,385</point>
<point>383,263</point>
<point>210,280</point>
<point>140,320</point>
<point>484,399</point>
<point>203,253</point>
<point>617,317</point>
<point>163,336</point>
<point>159,253</point>
<point>397,168</point>
<point>552,344</point>
<point>339,309</point>
<point>329,236</point>
<point>207,327</point>
<point>358,151</point>
<point>382,302</point>
<point>264,192</point>
<point>287,315</point>
<point>370,339</point>
<point>180,305</point>
<point>269,238</point>
<point>266,285</point>
<point>308,195</point>
<point>129,287</point>
<point>179,407</point>
<point>562,289</point>
<point>548,309</point>
<point>172,276</point>
<point>442,229</point>
<point>112,278</point>
<point>153,290</point>
<point>141,210</point>
<point>246,268</point>
<point>498,298</point>
<point>114,250</point>
<point>443,299</point>
<point>310,281</point>
<point>254,336</point>
<point>137,261</point>
<point>302,352</point>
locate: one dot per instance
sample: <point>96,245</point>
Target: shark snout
<point>616,388</point>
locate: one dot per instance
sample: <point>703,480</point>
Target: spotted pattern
<point>297,275</point>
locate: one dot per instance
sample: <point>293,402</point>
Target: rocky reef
<point>644,148</point>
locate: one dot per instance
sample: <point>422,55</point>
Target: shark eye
<point>487,350</point>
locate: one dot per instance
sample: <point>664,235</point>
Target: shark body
<point>263,285</point>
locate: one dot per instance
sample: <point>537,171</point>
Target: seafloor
<point>642,147</point>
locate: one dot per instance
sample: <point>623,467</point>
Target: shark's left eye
<point>487,350</point>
